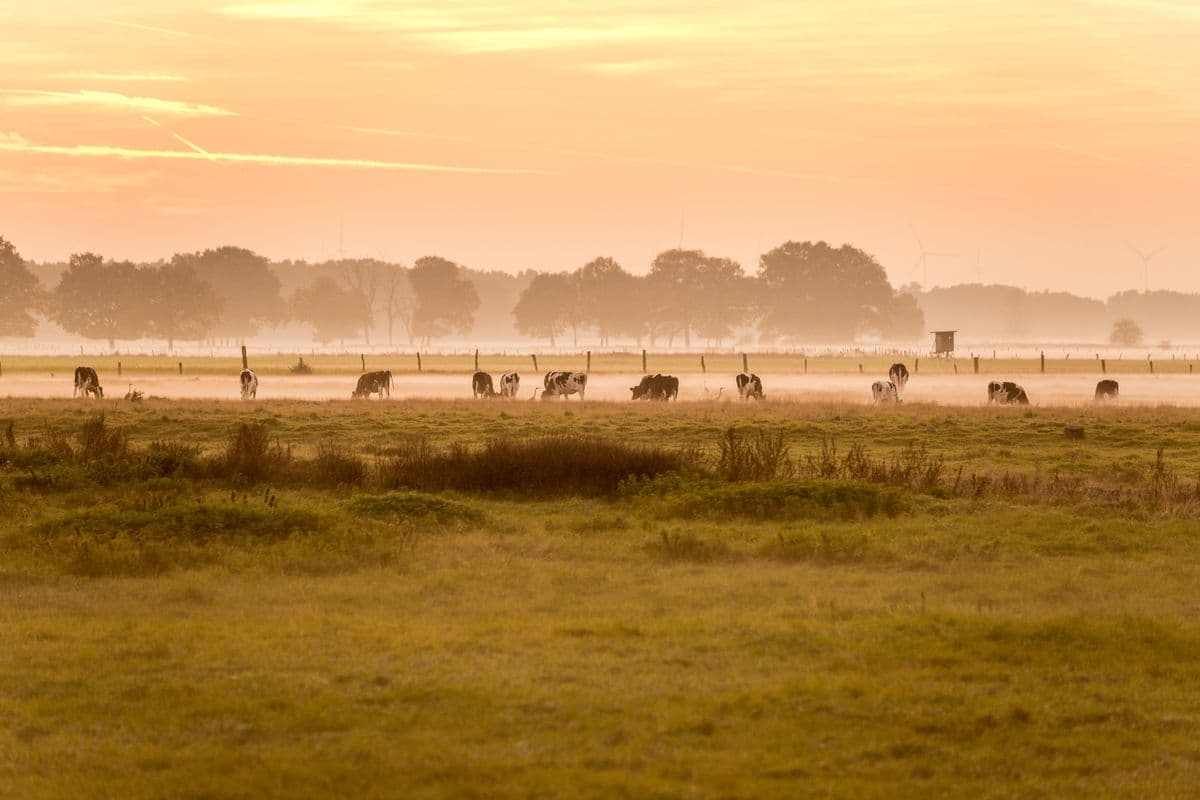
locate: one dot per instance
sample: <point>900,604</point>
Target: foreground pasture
<point>971,605</point>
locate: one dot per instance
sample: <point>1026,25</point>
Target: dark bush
<point>542,466</point>
<point>406,506</point>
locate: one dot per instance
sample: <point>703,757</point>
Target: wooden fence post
<point>806,366</point>
<point>916,366</point>
<point>477,359</point>
<point>245,363</point>
<point>180,367</point>
<point>418,361</point>
<point>364,361</point>
<point>976,358</point>
<point>1151,367</point>
<point>643,361</point>
<point>589,361</point>
<point>118,369</point>
<point>955,367</point>
<point>534,357</point>
<point>1043,361</point>
<point>702,367</point>
<point>745,363</point>
<point>860,368</point>
<point>1104,366</point>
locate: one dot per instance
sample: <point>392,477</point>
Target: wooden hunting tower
<point>943,342</point>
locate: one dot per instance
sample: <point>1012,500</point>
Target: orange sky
<point>541,134</point>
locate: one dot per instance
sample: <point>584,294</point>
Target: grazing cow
<point>898,375</point>
<point>1107,390</point>
<point>561,384</point>
<point>249,382</point>
<point>87,382</point>
<point>370,383</point>
<point>481,385</point>
<point>749,386</point>
<point>1006,393</point>
<point>510,382</point>
<point>656,387</point>
<point>885,392</point>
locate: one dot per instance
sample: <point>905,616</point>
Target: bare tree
<point>399,303</point>
<point>363,276</point>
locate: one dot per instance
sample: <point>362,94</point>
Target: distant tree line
<point>801,293</point>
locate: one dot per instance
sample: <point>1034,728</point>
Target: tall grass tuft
<point>761,457</point>
<point>99,442</point>
<point>251,455</point>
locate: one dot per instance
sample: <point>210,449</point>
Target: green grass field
<point>838,602</point>
<point>670,363</point>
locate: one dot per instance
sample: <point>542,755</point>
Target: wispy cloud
<point>138,26</point>
<point>70,182</point>
<point>622,69</point>
<point>261,159</point>
<point>111,100</point>
<point>123,77</point>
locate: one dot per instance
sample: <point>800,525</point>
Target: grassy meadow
<point>461,599</point>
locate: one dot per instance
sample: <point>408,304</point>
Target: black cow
<point>370,383</point>
<point>1006,393</point>
<point>561,384</point>
<point>87,382</point>
<point>749,386</point>
<point>898,374</point>
<point>481,385</point>
<point>249,383</point>
<point>1107,390</point>
<point>656,387</point>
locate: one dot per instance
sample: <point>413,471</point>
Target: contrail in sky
<point>263,159</point>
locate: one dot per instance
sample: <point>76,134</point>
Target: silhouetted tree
<point>605,294</point>
<point>334,312</point>
<point>903,319</point>
<point>20,293</point>
<point>179,304</point>
<point>101,300</point>
<point>547,306</point>
<point>248,288</point>
<point>1126,333</point>
<point>811,291</point>
<point>694,293</point>
<point>445,300</point>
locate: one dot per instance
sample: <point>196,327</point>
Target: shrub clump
<point>542,466</point>
<point>810,499</point>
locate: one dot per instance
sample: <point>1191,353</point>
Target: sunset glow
<point>1036,144</point>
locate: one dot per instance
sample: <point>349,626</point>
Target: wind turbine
<point>923,259</point>
<point>1146,258</point>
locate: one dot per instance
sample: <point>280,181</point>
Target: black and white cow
<point>1107,389</point>
<point>481,385</point>
<point>249,382</point>
<point>370,383</point>
<point>885,392</point>
<point>87,382</point>
<point>510,382</point>
<point>898,374</point>
<point>1006,393</point>
<point>561,384</point>
<point>749,386</point>
<point>656,387</point>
